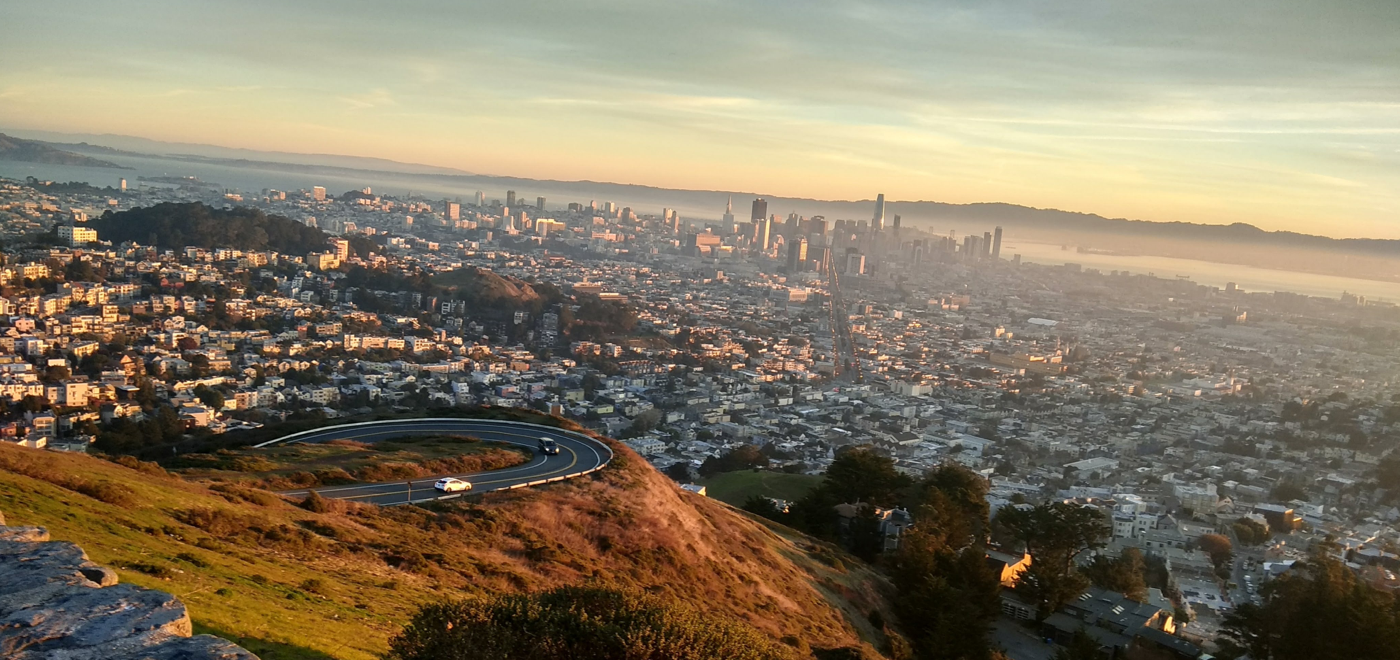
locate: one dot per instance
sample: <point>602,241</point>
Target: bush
<point>145,467</point>
<point>154,570</point>
<point>218,522</point>
<point>106,491</point>
<point>192,560</point>
<point>236,493</point>
<point>577,622</point>
<point>315,503</point>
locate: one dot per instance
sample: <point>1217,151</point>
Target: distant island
<point>30,151</point>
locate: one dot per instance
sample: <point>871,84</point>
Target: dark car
<point>548,447</point>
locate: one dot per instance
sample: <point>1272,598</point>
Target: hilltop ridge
<point>30,151</point>
<point>287,582</point>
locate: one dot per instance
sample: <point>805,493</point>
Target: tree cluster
<point>173,226</point>
<point>1318,610</point>
<point>1054,534</point>
<point>740,458</point>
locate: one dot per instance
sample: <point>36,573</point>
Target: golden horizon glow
<point>1282,115</point>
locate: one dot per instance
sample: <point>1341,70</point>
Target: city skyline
<point>1140,112</point>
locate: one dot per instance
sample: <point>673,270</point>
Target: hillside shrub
<point>105,491</point>
<point>583,623</point>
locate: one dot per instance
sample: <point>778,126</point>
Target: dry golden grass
<point>240,557</point>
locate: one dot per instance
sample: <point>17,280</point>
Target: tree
<point>1125,574</point>
<point>587,623</point>
<point>1318,610</point>
<point>680,471</point>
<point>1081,647</point>
<point>1218,547</point>
<point>946,592</point>
<point>762,506</point>
<point>1285,492</point>
<point>1055,535</point>
<point>856,475</point>
<point>864,536</point>
<point>957,496</point>
<point>861,475</point>
<point>644,421</point>
<point>1250,532</point>
<point>743,457</point>
<point>209,397</point>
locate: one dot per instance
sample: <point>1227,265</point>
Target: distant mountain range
<point>30,151</point>
<point>1053,225</point>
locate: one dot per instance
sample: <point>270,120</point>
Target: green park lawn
<point>736,487</point>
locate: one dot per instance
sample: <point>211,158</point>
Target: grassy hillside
<point>291,583</point>
<point>296,465</point>
<point>736,487</point>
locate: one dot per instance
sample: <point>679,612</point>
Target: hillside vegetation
<point>173,226</point>
<point>333,579</point>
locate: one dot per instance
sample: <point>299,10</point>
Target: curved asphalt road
<point>577,454</point>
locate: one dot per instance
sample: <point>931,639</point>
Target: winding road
<point>578,455</point>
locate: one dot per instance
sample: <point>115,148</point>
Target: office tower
<point>480,198</point>
<point>510,198</point>
<point>972,247</point>
<point>896,224</point>
<point>767,234</point>
<point>318,193</point>
<point>986,244</point>
<point>342,249</point>
<point>855,262</point>
<point>729,214</point>
<point>593,205</point>
<point>797,256</point>
<point>452,211</point>
<point>408,222</point>
<point>539,203</point>
<point>123,185</point>
<point>818,226</point>
<point>760,210</point>
<point>996,244</point>
<point>878,222</point>
<point>822,256</point>
<point>1016,259</point>
<point>612,208</point>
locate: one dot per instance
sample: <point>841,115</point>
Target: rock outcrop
<point>57,605</point>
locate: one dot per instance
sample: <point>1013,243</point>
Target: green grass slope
<point>736,487</point>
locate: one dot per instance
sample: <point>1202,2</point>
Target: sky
<point>1280,113</point>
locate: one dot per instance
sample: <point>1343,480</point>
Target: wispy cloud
<point>375,98</point>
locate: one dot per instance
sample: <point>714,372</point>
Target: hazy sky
<point>1281,113</point>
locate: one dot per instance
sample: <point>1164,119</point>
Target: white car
<point>452,485</point>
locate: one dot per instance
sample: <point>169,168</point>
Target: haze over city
<point>1279,114</point>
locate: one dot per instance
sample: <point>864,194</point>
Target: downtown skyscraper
<point>877,224</point>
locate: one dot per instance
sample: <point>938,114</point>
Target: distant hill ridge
<point>29,151</point>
